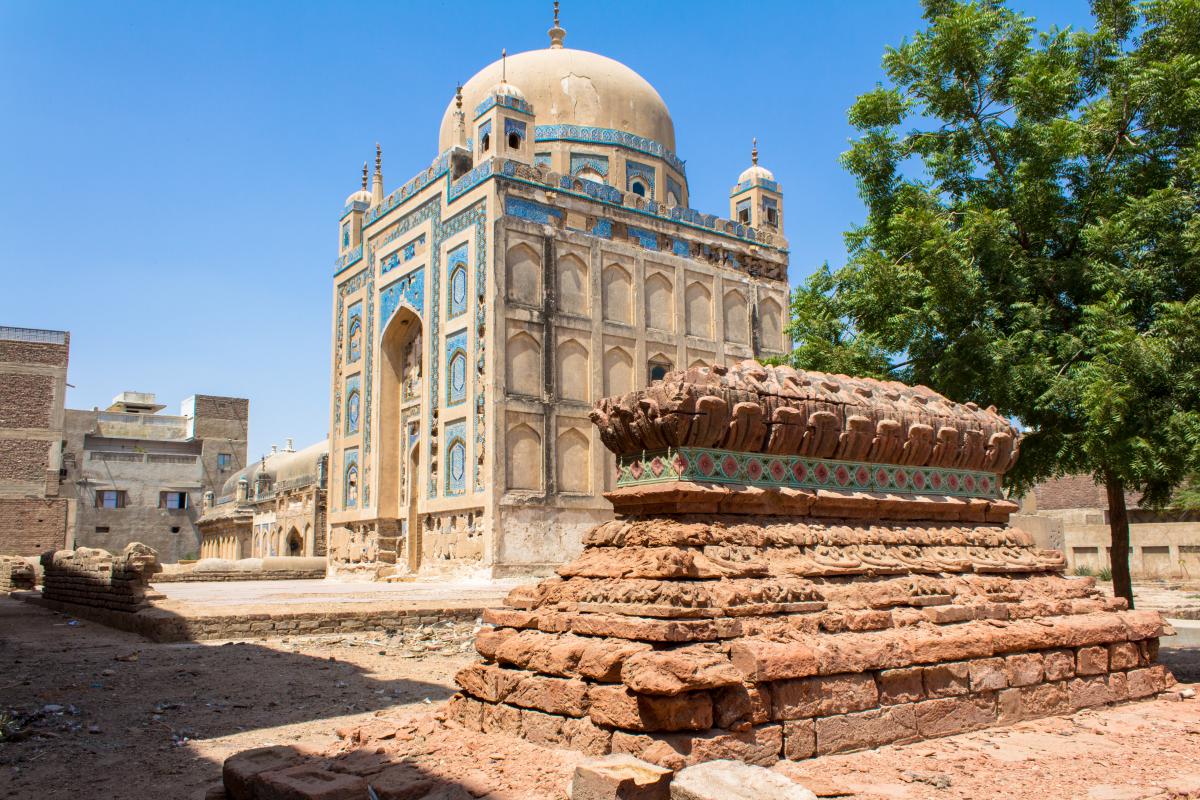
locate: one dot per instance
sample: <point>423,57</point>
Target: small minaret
<point>460,119</point>
<point>377,180</point>
<point>503,122</point>
<point>351,225</point>
<point>757,200</point>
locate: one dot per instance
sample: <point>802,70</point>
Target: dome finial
<point>458,97</point>
<point>754,151</point>
<point>364,182</point>
<point>503,65</point>
<point>557,34</point>
<point>378,159</point>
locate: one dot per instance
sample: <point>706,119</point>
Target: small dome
<point>503,89</point>
<point>361,196</point>
<point>756,173</point>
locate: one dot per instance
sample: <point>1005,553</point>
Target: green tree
<point>1032,239</point>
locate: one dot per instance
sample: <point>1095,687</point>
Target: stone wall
<point>276,568</point>
<point>97,578</point>
<point>16,574</point>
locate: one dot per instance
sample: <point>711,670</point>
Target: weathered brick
<point>1122,656</point>
<point>987,674</point>
<point>866,729</point>
<point>812,697</point>
<point>1091,660</point>
<point>799,739</point>
<point>1024,669</point>
<point>901,686</point>
<point>1058,665</point>
<point>947,680</point>
<point>950,715</point>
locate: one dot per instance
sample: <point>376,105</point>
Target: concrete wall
<point>144,455</point>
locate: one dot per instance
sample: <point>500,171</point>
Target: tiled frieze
<point>582,133</point>
<point>456,459</point>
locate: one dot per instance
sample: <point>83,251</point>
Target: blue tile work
<point>770,186</point>
<point>602,228</point>
<point>409,291</point>
<point>456,368</point>
<point>458,291</point>
<point>674,188</point>
<point>469,181</point>
<point>484,130</point>
<point>474,217</point>
<point>354,334</point>
<point>350,478</point>
<point>541,160</point>
<point>346,287</point>
<point>646,239</point>
<point>527,209</point>
<point>581,161</point>
<point>514,126</point>
<point>504,101</point>
<point>401,256</point>
<point>680,248</point>
<point>439,167</point>
<point>351,258</point>
<point>456,459</point>
<point>634,169</point>
<point>581,133</point>
<point>353,404</point>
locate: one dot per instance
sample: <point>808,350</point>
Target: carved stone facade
<point>544,260</point>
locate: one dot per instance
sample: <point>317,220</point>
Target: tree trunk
<point>1118,526</point>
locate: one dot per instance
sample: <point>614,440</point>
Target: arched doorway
<point>295,545</point>
<point>400,400</point>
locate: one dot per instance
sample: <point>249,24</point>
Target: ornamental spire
<point>503,65</point>
<point>754,152</point>
<point>458,97</point>
<point>364,182</point>
<point>377,181</point>
<point>557,34</point>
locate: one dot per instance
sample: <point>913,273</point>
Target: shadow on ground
<point>80,704</point>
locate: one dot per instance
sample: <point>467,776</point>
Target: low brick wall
<point>16,574</point>
<point>95,578</point>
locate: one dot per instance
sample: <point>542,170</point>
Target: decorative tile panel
<point>401,256</point>
<point>602,228</point>
<point>456,459</point>
<point>458,290</point>
<point>674,188</point>
<point>646,239</point>
<point>353,404</point>
<point>350,478</point>
<point>582,161</point>
<point>354,332</point>
<point>409,290</point>
<point>527,209</point>
<point>680,248</point>
<point>351,258</point>
<point>542,160</point>
<point>504,101</point>
<point>439,167</point>
<point>704,465</point>
<point>582,133</point>
<point>514,126</point>
<point>456,368</point>
<point>485,130</point>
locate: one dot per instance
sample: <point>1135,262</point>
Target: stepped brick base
<point>802,564</point>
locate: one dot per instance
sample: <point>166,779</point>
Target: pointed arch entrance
<point>400,401</point>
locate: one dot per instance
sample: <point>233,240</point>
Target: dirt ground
<point>86,711</point>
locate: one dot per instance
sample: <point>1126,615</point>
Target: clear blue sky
<point>171,173</point>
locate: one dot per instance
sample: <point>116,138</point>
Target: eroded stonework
<point>717,619</point>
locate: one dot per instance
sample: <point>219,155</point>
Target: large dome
<point>573,87</point>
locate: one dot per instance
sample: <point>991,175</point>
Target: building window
<point>224,461</point>
<point>110,498</point>
<point>173,500</point>
<point>355,340</point>
<point>345,234</point>
<point>514,141</point>
<point>101,529</point>
<point>772,217</point>
<point>658,370</point>
<point>638,188</point>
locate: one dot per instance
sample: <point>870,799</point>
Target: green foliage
<point>1105,574</point>
<point>1032,238</point>
<point>1083,570</point>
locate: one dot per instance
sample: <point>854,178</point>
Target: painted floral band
<point>704,465</point>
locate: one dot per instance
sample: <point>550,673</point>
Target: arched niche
<point>574,470</point>
<point>524,456</point>
<point>737,317</point>
<point>660,305</point>
<point>574,374</point>
<point>524,362</point>
<point>618,292</point>
<point>523,270</point>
